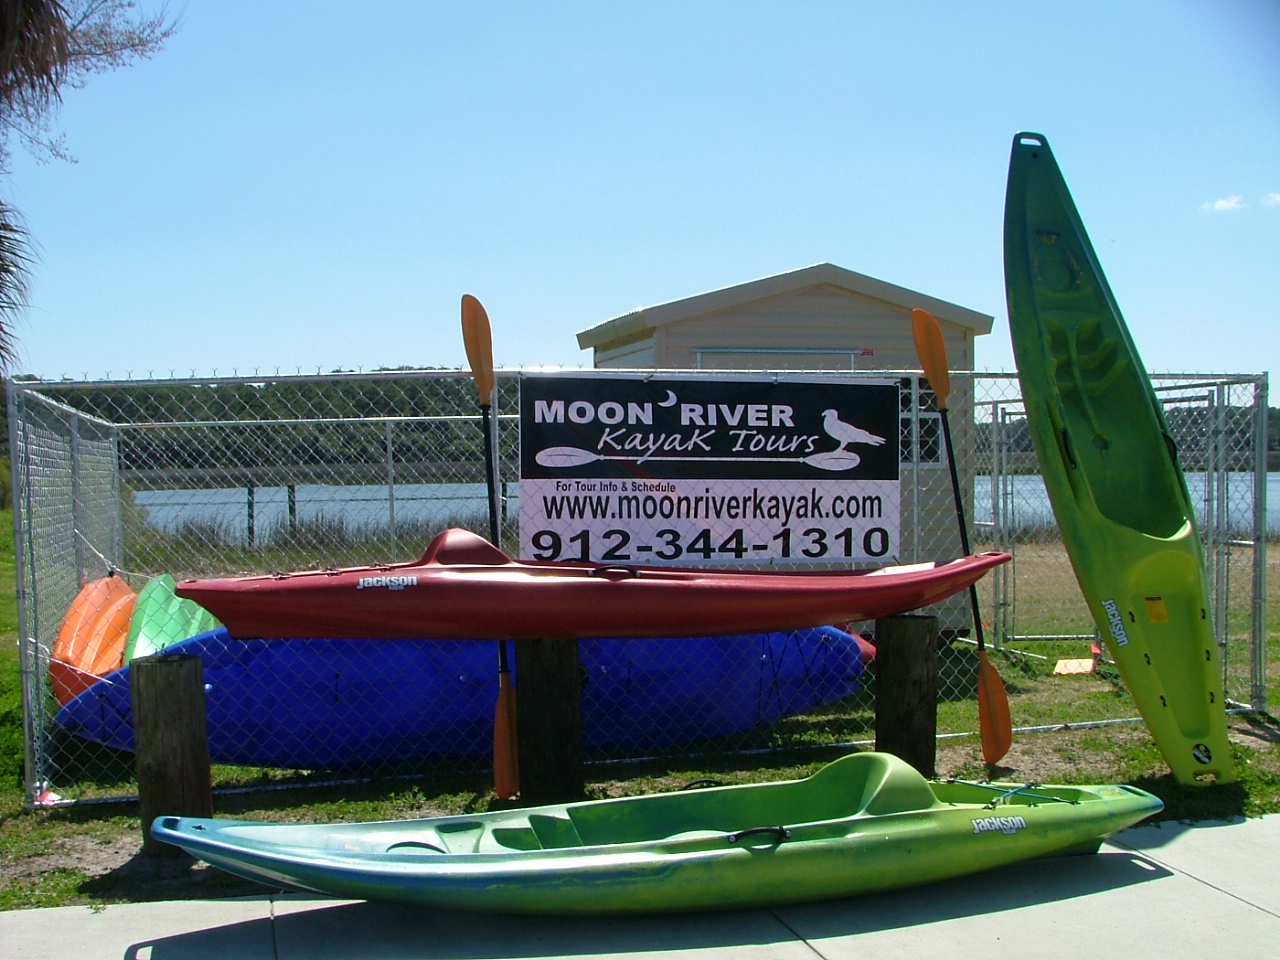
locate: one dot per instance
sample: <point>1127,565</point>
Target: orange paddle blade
<point>994,721</point>
<point>478,339</point>
<point>932,352</point>
<point>506,758</point>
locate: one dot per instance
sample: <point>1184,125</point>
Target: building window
<point>919,419</point>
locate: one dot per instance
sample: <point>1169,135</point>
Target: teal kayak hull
<point>1111,471</point>
<point>866,822</point>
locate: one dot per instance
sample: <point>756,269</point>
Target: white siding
<point>817,318</point>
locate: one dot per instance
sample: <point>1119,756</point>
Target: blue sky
<point>289,187</point>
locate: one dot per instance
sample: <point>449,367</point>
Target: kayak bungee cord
<point>1006,793</point>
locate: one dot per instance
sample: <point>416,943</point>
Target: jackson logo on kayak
<point>1006,825</point>
<point>1115,622</point>
<point>391,582</point>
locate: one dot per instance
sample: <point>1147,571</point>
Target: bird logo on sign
<point>846,433</point>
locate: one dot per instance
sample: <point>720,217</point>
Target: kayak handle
<point>615,572</point>
<point>701,783</point>
<point>1066,448</point>
<point>778,833</point>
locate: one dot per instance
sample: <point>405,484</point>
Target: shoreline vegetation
<point>409,514</point>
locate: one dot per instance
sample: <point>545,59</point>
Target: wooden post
<point>171,743</point>
<point>549,721</point>
<point>907,689</point>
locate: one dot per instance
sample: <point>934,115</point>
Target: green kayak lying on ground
<point>865,822</point>
<point>1111,470</point>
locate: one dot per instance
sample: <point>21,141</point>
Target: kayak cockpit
<point>854,787</point>
<point>859,785</point>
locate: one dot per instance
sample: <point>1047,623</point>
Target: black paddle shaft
<point>964,525</point>
<point>491,484</point>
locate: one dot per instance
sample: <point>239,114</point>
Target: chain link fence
<point>143,481</point>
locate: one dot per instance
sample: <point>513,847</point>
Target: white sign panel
<point>709,471</point>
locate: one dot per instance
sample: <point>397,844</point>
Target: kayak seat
<point>1086,363</point>
<point>515,838</point>
<point>871,784</point>
<point>463,548</point>
<point>1105,408</point>
<point>553,832</point>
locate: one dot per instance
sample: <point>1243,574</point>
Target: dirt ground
<point>119,871</point>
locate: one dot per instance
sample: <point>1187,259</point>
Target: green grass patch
<point>10,670</point>
<point>56,888</point>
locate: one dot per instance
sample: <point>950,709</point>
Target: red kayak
<point>465,588</point>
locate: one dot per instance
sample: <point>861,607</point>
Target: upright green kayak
<point>866,822</point>
<point>1111,469</point>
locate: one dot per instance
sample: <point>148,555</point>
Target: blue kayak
<point>331,704</point>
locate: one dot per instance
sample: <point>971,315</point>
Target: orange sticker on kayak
<point>1157,612</point>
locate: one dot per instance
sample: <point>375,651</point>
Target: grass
<point>65,855</point>
<point>217,548</point>
<point>10,673</point>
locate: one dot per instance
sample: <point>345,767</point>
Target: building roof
<point>637,322</point>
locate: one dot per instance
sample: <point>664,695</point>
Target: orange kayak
<point>92,637</point>
<point>463,587</point>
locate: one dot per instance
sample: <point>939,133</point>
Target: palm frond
<point>15,264</point>
<point>34,51</point>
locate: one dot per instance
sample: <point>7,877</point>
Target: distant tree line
<point>267,432</point>
<point>333,426</point>
<point>1190,427</point>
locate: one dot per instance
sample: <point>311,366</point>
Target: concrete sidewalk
<point>1162,891</point>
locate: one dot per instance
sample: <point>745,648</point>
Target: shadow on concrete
<point>145,878</point>
<point>353,931</point>
<point>1016,887</point>
<point>1153,836</point>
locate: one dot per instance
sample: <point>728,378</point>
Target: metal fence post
<point>1258,678</point>
<point>391,482</point>
<point>19,451</point>
<point>77,496</point>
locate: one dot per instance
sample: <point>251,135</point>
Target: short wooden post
<point>171,742</point>
<point>907,689</point>
<point>549,721</point>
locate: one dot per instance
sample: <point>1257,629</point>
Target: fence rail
<point>144,480</point>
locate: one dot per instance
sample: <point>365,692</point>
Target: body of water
<point>1027,503</point>
<point>242,513</point>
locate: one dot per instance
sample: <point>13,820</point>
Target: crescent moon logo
<point>670,401</point>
